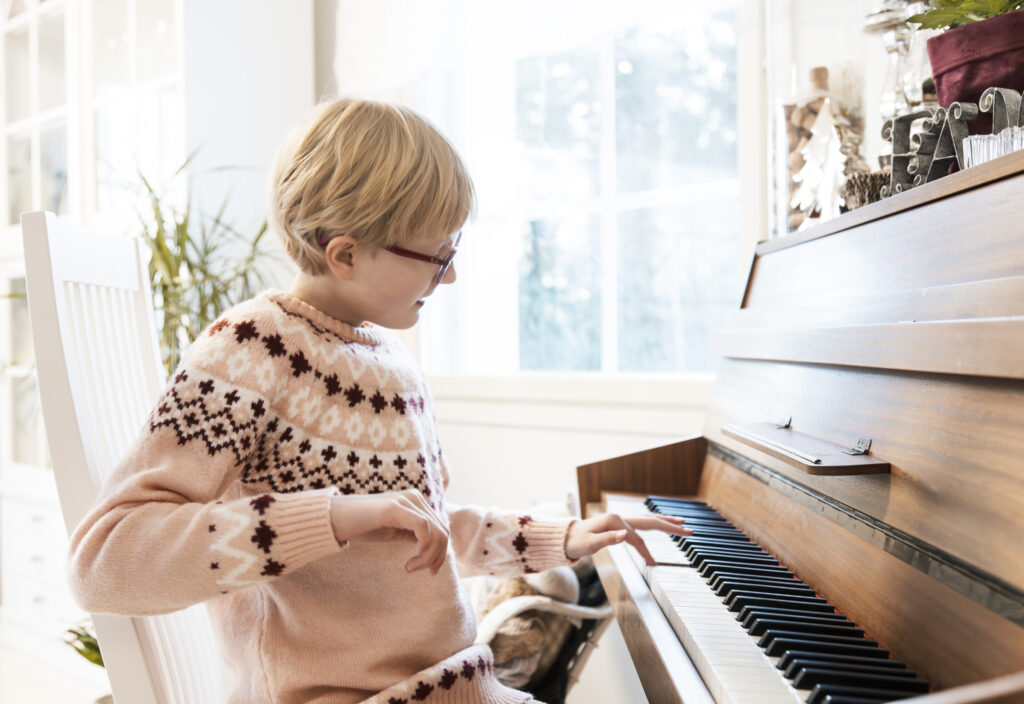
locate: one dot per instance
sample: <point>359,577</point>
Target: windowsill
<point>644,405</point>
<point>556,388</point>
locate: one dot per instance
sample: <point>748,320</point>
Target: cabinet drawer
<point>32,541</point>
<point>44,608</point>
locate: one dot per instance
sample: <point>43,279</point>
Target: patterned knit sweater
<point>224,498</point>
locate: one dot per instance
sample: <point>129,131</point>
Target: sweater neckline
<point>366,334</point>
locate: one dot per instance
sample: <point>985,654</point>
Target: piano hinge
<point>861,448</point>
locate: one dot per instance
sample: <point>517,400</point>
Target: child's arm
<point>159,539</point>
<point>491,542</point>
<point>505,544</point>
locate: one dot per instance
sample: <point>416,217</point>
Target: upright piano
<point>858,489</point>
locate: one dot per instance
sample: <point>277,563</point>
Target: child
<point>291,474</point>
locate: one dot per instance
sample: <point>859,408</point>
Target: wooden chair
<point>91,310</point>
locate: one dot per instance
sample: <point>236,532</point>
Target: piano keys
<point>894,331</point>
<point>798,635</point>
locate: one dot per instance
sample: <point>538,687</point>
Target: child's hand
<point>589,536</point>
<point>397,515</point>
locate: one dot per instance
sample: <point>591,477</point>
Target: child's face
<point>395,287</point>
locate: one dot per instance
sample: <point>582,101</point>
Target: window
<point>90,93</point>
<point>35,108</point>
<point>136,97</point>
<point>608,237</point>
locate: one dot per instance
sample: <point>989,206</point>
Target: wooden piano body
<point>902,322</point>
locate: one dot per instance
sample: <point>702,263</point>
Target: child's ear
<point>340,256</point>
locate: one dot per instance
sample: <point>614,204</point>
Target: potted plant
<point>982,47</point>
<point>200,265</point>
<point>83,640</point>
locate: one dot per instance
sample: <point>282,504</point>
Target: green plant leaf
<point>200,264</point>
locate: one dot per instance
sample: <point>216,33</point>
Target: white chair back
<point>91,310</point>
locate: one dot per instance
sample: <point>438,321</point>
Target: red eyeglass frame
<point>443,263</point>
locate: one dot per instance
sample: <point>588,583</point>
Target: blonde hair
<point>377,172</point>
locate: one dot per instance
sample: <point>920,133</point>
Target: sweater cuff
<point>303,521</point>
<point>545,542</point>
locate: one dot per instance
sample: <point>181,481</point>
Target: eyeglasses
<point>443,263</point>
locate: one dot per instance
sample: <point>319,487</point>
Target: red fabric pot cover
<point>966,60</point>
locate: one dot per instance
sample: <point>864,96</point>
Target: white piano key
<point>734,668</point>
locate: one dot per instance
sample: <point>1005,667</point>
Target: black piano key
<point>737,550</point>
<point>752,622</point>
<point>694,553</point>
<point>773,569</point>
<point>719,534</point>
<point>688,541</point>
<point>729,548</point>
<point>812,677</point>
<point>710,529</point>
<point>794,655</point>
<point>843,699</point>
<point>773,634</point>
<point>758,614</point>
<point>709,521</point>
<point>744,602</point>
<point>724,586</point>
<point>654,500</point>
<point>690,511</point>
<point>835,629</point>
<point>714,567</point>
<point>756,588</point>
<point>800,664</point>
<point>719,582</point>
<point>753,560</point>
<point>820,692</point>
<point>723,578</point>
<point>743,597</point>
<point>780,646</point>
<point>746,611</point>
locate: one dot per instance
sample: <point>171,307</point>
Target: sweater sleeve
<point>160,538</point>
<point>490,542</point>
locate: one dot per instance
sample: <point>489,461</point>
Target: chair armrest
<point>490,623</point>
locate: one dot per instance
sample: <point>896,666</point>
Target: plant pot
<point>968,59</point>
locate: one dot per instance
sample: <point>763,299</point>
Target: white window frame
<point>688,388</point>
<point>79,114</point>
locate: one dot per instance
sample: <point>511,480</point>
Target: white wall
<point>516,442</point>
<point>249,74</point>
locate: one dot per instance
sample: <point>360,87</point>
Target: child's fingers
<point>636,541</point>
<point>431,536</point>
<point>663,523</point>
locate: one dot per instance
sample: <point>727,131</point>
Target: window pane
<point>678,278</point>
<point>158,55</point>
<point>115,165</point>
<point>161,119</point>
<point>21,335</point>
<point>24,434</point>
<point>558,124</point>
<point>53,148</point>
<point>675,101</point>
<point>16,75</point>
<point>19,177</point>
<point>110,46</point>
<point>51,62</point>
<point>559,299</point>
